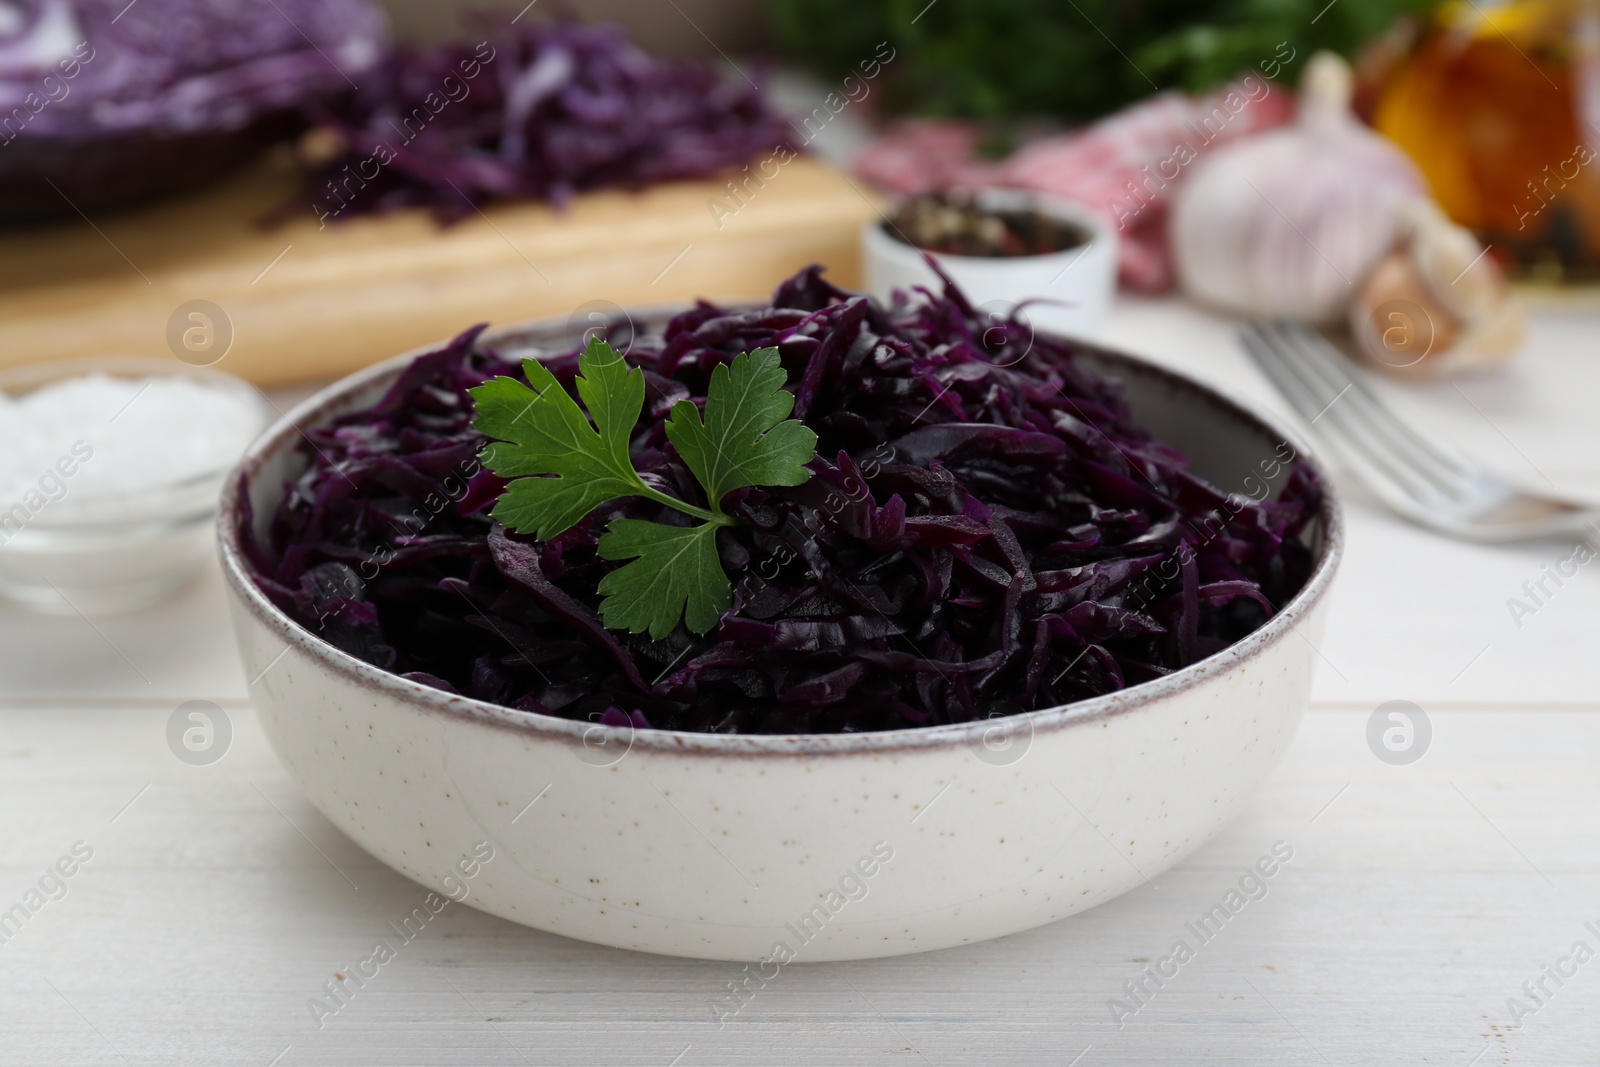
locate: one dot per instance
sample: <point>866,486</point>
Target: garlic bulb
<point>1290,222</point>
<point>1436,304</point>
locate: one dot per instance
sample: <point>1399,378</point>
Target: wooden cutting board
<point>307,301</point>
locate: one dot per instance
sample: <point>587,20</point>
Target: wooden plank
<point>309,301</point>
<point>1415,905</point>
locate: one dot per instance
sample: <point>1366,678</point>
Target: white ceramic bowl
<point>1071,289</point>
<point>835,846</point>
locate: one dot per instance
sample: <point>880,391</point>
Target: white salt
<point>85,444</point>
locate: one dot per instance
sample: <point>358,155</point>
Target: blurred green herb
<point>1011,60</point>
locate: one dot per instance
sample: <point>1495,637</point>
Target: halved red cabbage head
<point>175,66</point>
<point>107,102</point>
<point>976,539</point>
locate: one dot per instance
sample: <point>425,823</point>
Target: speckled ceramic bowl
<point>779,848</point>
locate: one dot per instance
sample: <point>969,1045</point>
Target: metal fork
<point>1429,483</point>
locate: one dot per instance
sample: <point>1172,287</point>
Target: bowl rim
<point>338,396</point>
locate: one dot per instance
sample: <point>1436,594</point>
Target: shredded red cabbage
<point>976,538</point>
<point>554,109</point>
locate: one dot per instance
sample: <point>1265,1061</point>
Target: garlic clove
<point>1452,261</point>
<point>1436,305</point>
<point>1397,321</point>
<point>1490,340</point>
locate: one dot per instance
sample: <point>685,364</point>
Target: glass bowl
<point>103,552</point>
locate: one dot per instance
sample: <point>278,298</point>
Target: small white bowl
<point>1072,289</point>
<point>838,846</point>
<point>106,556</point>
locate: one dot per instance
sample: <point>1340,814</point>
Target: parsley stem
<point>688,509</point>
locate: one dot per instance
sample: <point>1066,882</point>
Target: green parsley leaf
<point>542,431</point>
<point>677,574</point>
<point>561,467</point>
<point>743,439</point>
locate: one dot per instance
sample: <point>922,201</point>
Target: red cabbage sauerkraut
<point>977,538</point>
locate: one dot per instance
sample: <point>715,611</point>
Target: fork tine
<point>1261,349</point>
<point>1367,416</point>
<point>1436,488</point>
<point>1331,365</point>
<point>1311,398</point>
<point>1333,419</point>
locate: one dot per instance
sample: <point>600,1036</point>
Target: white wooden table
<point>1420,898</point>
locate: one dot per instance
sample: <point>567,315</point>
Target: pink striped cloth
<point>1125,166</point>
